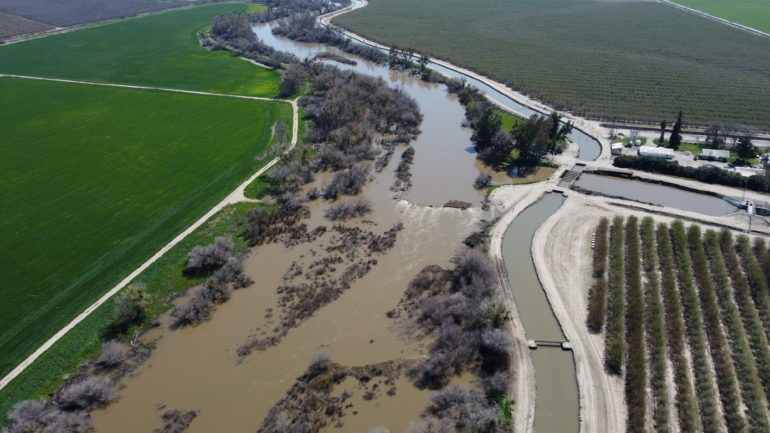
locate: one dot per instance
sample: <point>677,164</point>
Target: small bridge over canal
<point>571,176</point>
<point>534,344</point>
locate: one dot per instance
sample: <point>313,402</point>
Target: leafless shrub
<point>347,182</point>
<point>483,180</point>
<point>194,311</point>
<point>112,355</point>
<point>204,259</point>
<point>379,429</point>
<point>497,384</point>
<point>468,409</point>
<point>454,85</point>
<point>319,363</point>
<point>348,209</point>
<point>67,422</point>
<point>89,394</point>
<point>26,416</point>
<point>474,273</point>
<point>313,194</point>
<point>432,425</point>
<point>268,226</point>
<point>176,421</point>
<point>39,416</point>
<point>231,273</point>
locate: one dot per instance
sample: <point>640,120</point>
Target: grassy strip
<point>163,280</point>
<point>757,280</point>
<point>685,401</point>
<point>720,349</point>
<point>702,373</point>
<point>751,321</point>
<point>597,296</point>
<point>636,365</point>
<point>655,330</point>
<point>615,348</point>
<point>745,367</point>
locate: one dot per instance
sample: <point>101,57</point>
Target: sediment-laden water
<point>557,396</point>
<point>656,194</point>
<point>198,368</point>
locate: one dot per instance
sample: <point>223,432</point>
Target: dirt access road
<point>235,196</point>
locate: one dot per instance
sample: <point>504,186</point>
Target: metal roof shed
<point>657,152</point>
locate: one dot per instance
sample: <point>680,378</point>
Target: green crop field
<point>95,179</point>
<point>626,60</point>
<point>160,50</point>
<point>751,13</point>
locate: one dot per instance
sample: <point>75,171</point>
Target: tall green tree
<point>488,125</point>
<point>662,131</point>
<point>676,133</point>
<point>745,149</point>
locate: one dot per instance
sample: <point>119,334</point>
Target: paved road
<point>234,197</point>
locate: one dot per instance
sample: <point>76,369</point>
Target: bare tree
<point>89,394</point>
<point>111,356</point>
<point>204,259</point>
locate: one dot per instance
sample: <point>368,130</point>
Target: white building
<point>616,148</point>
<point>657,152</point>
<point>715,155</point>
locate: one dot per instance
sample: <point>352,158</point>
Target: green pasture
<point>624,60</point>
<point>160,50</point>
<point>751,13</point>
<point>96,179</point>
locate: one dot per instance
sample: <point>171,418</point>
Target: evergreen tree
<point>745,149</point>
<point>676,138</point>
<point>488,125</point>
<point>662,131</point>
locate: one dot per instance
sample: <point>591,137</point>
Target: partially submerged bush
<point>348,209</point>
<point>456,306</point>
<point>483,181</point>
<point>111,356</point>
<point>194,311</point>
<point>177,421</point>
<point>89,394</point>
<point>347,182</point>
<point>204,259</point>
<point>467,410</point>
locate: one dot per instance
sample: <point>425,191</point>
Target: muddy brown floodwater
<point>445,163</point>
<point>198,368</point>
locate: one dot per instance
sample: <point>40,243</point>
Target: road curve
<point>234,197</point>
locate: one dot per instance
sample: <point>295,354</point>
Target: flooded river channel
<point>198,368</point>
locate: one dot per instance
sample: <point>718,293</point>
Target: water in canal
<point>656,194</point>
<point>557,394</point>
